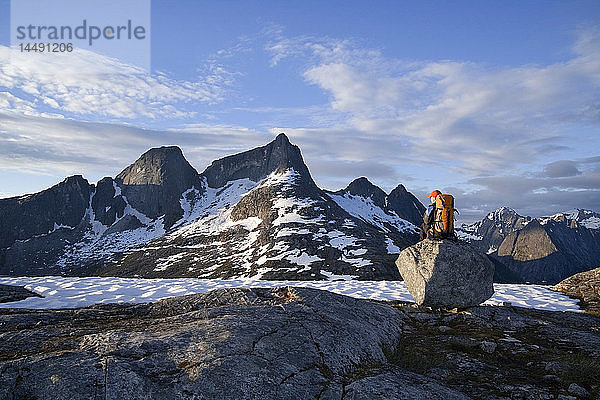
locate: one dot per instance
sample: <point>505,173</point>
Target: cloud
<point>85,83</point>
<point>472,118</point>
<point>60,147</point>
<point>562,168</point>
<point>481,130</point>
<point>537,196</point>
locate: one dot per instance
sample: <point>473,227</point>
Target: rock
<point>488,347</point>
<point>584,286</point>
<point>565,397</point>
<point>154,183</point>
<point>256,164</point>
<point>551,378</point>
<point>225,344</point>
<point>400,385</point>
<point>553,366</point>
<point>294,343</point>
<point>578,391</point>
<point>445,273</point>
<point>10,293</point>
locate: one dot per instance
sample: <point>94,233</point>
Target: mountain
<point>489,233</point>
<point>540,250</point>
<point>75,228</point>
<point>254,214</point>
<point>154,183</point>
<point>260,214</point>
<point>396,208</point>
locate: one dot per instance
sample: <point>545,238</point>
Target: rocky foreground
<point>296,344</point>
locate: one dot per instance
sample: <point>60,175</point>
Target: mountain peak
<point>363,187</point>
<point>154,182</point>
<point>282,138</point>
<point>156,166</point>
<point>400,189</point>
<point>503,213</point>
<point>406,205</point>
<point>256,164</point>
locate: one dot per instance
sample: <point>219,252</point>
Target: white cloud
<point>60,147</point>
<point>85,83</point>
<point>469,117</point>
<point>488,134</point>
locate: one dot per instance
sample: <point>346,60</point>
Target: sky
<point>497,103</point>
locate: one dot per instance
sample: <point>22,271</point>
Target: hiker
<point>438,220</point>
<point>429,215</point>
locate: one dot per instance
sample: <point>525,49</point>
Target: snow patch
<point>291,232</point>
<point>61,226</point>
<point>464,235</point>
<point>591,223</point>
<point>333,277</point>
<point>117,189</point>
<point>391,247</point>
<point>365,209</point>
<point>70,292</point>
<point>303,259</point>
<point>163,263</point>
<point>287,211</point>
<point>286,179</point>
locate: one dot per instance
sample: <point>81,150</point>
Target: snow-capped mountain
<point>489,233</point>
<point>364,200</point>
<point>254,214</point>
<point>546,249</point>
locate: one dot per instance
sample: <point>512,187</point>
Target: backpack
<point>443,226</point>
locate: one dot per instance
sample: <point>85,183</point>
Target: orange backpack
<point>443,226</point>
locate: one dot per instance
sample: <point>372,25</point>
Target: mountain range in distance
<point>259,214</point>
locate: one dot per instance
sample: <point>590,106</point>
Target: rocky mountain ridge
<point>540,250</point>
<point>259,214</point>
<point>253,214</point>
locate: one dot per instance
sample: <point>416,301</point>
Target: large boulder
<point>445,273</point>
<point>584,286</point>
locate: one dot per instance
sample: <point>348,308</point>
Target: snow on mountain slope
<point>279,227</point>
<point>365,209</point>
<point>130,230</point>
<point>585,218</point>
<point>540,250</point>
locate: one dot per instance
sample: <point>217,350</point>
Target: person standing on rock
<point>429,215</point>
<point>438,220</point>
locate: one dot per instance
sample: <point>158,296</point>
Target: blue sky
<point>495,102</point>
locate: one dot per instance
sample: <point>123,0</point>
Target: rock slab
<point>294,343</point>
<point>10,293</point>
<point>446,273</point>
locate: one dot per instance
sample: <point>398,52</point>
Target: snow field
<point>69,292</point>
